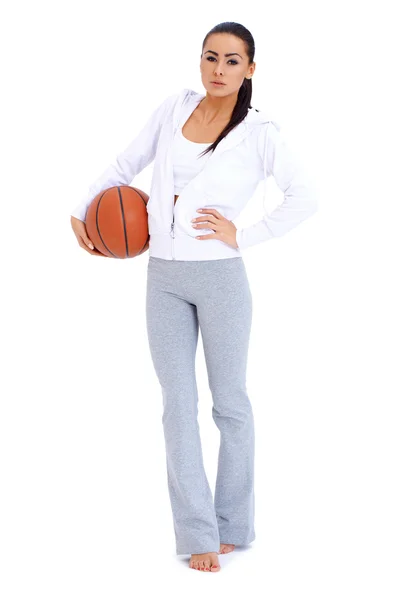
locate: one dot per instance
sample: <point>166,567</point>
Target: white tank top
<point>185,159</point>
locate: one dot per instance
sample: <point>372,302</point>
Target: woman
<point>209,151</point>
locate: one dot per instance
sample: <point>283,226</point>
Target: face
<point>231,70</point>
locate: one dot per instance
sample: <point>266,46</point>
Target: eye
<point>231,60</point>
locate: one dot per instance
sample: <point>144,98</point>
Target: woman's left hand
<point>224,229</point>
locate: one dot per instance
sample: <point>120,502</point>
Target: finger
<point>209,236</point>
<point>211,211</point>
<point>88,243</point>
<point>94,251</point>
<point>209,225</point>
<point>208,219</point>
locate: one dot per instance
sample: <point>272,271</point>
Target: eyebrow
<point>216,53</point>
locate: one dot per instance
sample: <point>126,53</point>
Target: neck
<point>213,109</point>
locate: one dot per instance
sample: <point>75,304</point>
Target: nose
<point>218,70</point>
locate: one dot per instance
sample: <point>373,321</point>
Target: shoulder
<point>261,119</point>
<point>266,134</point>
<point>175,102</point>
<point>183,95</point>
<point>172,99</point>
<point>264,129</point>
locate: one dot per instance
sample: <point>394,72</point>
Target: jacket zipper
<point>172,233</point>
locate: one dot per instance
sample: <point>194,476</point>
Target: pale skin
<point>203,126</point>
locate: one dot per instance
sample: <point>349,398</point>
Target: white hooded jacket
<point>248,154</point>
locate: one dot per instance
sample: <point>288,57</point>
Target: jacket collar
<point>188,100</point>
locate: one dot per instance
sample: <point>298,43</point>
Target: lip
<point>218,83</point>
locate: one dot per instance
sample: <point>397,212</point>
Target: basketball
<point>116,222</point>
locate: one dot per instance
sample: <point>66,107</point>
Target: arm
<point>300,200</point>
<point>136,156</point>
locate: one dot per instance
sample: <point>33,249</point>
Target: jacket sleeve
<point>300,201</point>
<point>136,156</point>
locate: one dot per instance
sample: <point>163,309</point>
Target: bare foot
<point>205,562</point>
<point>225,548</point>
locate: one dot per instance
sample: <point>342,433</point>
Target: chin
<point>217,90</point>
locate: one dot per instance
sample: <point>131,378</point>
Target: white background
<point>84,506</point>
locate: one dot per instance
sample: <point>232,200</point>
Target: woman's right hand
<point>84,241</point>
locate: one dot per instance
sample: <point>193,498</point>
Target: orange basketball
<point>116,222</point>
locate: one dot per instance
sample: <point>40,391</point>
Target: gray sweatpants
<point>215,294</point>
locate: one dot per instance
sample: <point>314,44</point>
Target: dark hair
<point>243,102</point>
